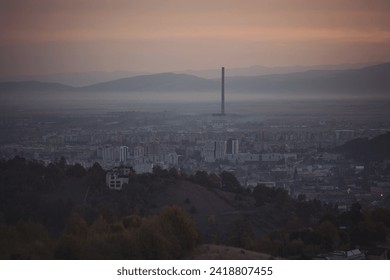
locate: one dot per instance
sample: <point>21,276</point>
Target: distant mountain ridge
<point>33,86</point>
<point>81,79</point>
<point>368,80</point>
<point>75,79</point>
<point>372,79</point>
<point>156,82</point>
<point>258,70</point>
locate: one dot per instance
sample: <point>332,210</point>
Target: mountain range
<point>258,70</point>
<point>363,81</point>
<point>80,79</point>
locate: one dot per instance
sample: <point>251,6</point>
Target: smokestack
<point>223,92</point>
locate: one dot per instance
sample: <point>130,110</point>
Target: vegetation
<point>375,149</point>
<point>168,235</point>
<point>346,231</point>
<point>62,211</point>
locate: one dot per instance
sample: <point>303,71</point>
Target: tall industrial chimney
<point>223,92</point>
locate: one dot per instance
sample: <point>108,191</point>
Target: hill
<point>33,86</point>
<point>156,82</point>
<point>259,70</point>
<point>216,212</point>
<point>367,82</point>
<point>62,211</point>
<point>52,193</point>
<point>377,148</point>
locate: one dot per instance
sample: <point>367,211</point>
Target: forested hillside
<point>62,211</point>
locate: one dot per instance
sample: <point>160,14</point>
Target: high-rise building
<point>139,151</point>
<point>123,151</point>
<point>108,153</point>
<point>153,148</point>
<point>214,150</point>
<point>232,146</point>
<point>219,149</point>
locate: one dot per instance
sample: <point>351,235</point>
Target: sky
<point>56,36</point>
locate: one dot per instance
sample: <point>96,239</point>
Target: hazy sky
<point>49,36</point>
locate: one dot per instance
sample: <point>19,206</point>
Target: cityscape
<point>297,153</point>
<point>223,137</point>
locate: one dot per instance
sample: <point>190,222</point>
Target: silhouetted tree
<point>229,182</point>
<point>25,240</point>
<point>369,233</point>
<point>329,236</point>
<point>77,171</point>
<point>178,225</point>
<point>61,164</point>
<point>160,172</point>
<point>95,178</point>
<point>173,173</point>
<point>240,234</point>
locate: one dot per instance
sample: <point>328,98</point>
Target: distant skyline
<point>40,37</point>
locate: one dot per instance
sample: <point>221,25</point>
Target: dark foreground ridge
<point>62,211</point>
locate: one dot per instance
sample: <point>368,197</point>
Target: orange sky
<point>48,36</point>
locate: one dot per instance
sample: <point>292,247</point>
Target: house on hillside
<point>116,177</point>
